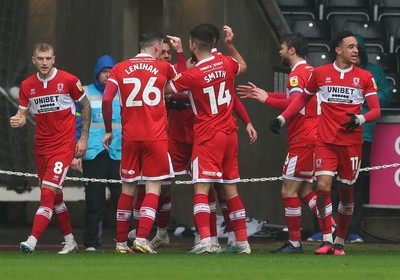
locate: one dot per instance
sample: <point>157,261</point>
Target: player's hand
<point>176,43</point>
<point>107,139</point>
<point>81,147</point>
<point>354,122</point>
<point>276,124</point>
<point>76,164</point>
<point>229,35</point>
<point>252,91</point>
<point>17,121</point>
<point>252,133</point>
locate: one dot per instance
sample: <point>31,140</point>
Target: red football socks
<point>62,215</point>
<point>293,217</point>
<point>237,215</point>
<point>44,213</point>
<point>124,214</point>
<point>147,215</point>
<point>201,211</point>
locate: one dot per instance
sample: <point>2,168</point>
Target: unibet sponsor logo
<point>47,103</point>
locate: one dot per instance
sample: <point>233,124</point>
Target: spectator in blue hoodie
<point>98,163</point>
<point>361,187</point>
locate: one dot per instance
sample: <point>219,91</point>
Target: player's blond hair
<point>42,47</point>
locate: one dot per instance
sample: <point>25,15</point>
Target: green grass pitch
<point>362,261</point>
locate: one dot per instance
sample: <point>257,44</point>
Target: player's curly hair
<point>297,41</point>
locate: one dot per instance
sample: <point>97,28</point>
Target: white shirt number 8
<point>147,91</point>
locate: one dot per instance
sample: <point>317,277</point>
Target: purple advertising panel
<point>385,183</point>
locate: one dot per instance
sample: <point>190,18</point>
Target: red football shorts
<point>180,153</point>
<point>52,168</point>
<point>343,160</point>
<point>145,160</point>
<point>299,164</point>
<point>215,160</point>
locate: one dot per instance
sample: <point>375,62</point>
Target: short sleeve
<point>77,92</point>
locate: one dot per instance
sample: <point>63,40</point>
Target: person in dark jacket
<point>361,187</point>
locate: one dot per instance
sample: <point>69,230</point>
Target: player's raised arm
<point>176,44</point>
<point>233,51</point>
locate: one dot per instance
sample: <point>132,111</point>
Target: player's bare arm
<point>19,120</point>
<point>81,146</point>
<point>252,91</point>
<point>233,51</point>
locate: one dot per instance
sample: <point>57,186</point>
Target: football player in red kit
<point>140,82</point>
<point>298,170</point>
<point>51,95</point>
<point>177,133</point>
<point>214,157</point>
<point>179,118</point>
<point>342,88</point>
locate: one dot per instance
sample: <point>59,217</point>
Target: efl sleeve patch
<point>79,85</point>
<point>374,83</point>
<point>294,81</point>
<point>177,77</point>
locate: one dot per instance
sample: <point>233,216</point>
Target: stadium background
<point>83,30</point>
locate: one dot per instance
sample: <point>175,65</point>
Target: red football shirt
<point>52,102</point>
<point>340,92</point>
<point>211,83</point>
<point>141,81</point>
<point>180,126</point>
<point>302,128</point>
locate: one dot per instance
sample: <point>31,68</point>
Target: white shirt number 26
<point>149,91</point>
